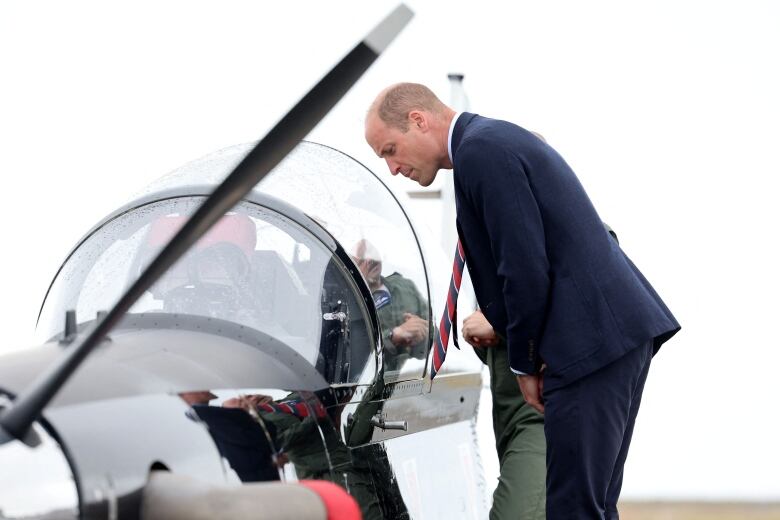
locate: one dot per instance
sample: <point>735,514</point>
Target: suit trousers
<point>588,427</point>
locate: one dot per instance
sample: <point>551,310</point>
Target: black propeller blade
<point>16,420</point>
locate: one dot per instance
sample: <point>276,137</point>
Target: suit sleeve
<point>496,184</point>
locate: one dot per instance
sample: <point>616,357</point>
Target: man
<point>402,311</point>
<point>548,278</point>
<point>246,445</point>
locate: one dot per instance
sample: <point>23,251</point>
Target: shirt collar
<point>449,136</point>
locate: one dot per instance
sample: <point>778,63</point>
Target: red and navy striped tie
<point>294,407</point>
<point>450,313</point>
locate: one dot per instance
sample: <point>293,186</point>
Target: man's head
<point>198,397</point>
<point>407,126</point>
<point>366,256</point>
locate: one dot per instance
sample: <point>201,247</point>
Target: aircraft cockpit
<point>290,342</point>
<point>271,264</point>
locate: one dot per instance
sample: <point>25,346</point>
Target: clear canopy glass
<point>363,215</point>
<point>259,268</point>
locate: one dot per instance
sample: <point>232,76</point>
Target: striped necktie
<point>450,313</point>
<point>295,407</point>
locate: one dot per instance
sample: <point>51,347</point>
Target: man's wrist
<point>387,341</point>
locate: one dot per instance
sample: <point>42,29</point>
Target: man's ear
<point>418,119</point>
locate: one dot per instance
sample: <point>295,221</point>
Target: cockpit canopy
<point>266,265</point>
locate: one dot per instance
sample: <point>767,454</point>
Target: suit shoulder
<point>476,147</point>
<point>494,136</point>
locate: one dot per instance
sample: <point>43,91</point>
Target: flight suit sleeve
<point>496,184</point>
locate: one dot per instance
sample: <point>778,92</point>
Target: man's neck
<point>444,137</point>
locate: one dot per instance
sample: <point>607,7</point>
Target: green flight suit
<point>404,298</point>
<point>301,439</point>
<point>520,443</point>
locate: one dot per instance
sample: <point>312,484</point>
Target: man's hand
<point>247,401</point>
<point>478,332</point>
<point>531,386</point>
<point>410,332</point>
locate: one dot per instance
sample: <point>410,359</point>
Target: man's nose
<point>394,166</point>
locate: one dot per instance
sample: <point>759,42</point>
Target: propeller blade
<point>288,132</point>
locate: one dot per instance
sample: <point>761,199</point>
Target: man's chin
<point>426,182</point>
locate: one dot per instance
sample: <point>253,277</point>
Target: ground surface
<point>698,511</point>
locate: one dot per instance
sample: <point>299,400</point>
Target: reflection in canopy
<point>350,202</point>
<point>256,268</point>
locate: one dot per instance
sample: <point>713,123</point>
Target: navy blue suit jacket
<point>547,274</point>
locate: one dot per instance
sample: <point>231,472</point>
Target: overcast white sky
<point>667,110</point>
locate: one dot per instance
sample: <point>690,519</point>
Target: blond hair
<point>395,103</point>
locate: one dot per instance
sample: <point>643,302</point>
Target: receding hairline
<point>393,104</point>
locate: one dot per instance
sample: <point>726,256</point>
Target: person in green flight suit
<point>519,430</point>
<point>402,312</point>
